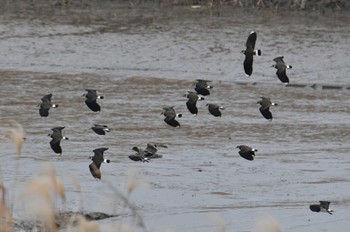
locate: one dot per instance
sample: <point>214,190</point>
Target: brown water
<point>141,67</point>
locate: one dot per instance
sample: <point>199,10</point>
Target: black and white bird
<point>45,105</point>
<point>214,109</point>
<point>281,69</point>
<point>139,156</point>
<point>97,160</point>
<point>100,129</point>
<point>151,150</point>
<point>322,207</point>
<point>91,100</point>
<point>249,53</point>
<point>57,136</point>
<point>202,87</point>
<point>246,152</point>
<point>170,116</point>
<point>149,153</point>
<point>265,104</point>
<point>192,102</point>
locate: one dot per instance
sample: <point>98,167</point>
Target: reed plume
<point>40,194</point>
<point>266,223</point>
<point>15,133</point>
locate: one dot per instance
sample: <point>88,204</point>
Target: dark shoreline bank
<point>93,12</point>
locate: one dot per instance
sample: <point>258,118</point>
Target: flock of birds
<point>202,88</point>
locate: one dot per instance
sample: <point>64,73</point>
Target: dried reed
<point>40,194</point>
<point>266,223</point>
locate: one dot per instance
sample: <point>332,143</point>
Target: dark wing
<point>55,145</point>
<point>214,110</point>
<point>249,155</point>
<point>251,41</point>
<point>93,105</point>
<point>98,155</point>
<point>137,157</point>
<point>202,91</point>
<point>202,87</point>
<point>58,129</point>
<point>45,105</point>
<point>47,98</point>
<point>325,204</point>
<point>279,59</point>
<point>91,95</point>
<point>192,107</point>
<point>266,112</point>
<point>315,208</point>
<point>95,170</point>
<point>172,122</point>
<point>98,130</point>
<point>248,64</point>
<point>282,75</point>
<point>44,110</point>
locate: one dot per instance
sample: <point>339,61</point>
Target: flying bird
<point>91,100</point>
<point>151,150</point>
<point>322,207</point>
<point>246,152</point>
<point>45,105</point>
<point>265,104</point>
<point>100,129</point>
<point>192,102</point>
<point>149,153</point>
<point>170,116</point>
<point>57,136</point>
<point>249,52</point>
<point>202,87</point>
<point>281,69</point>
<point>139,156</point>
<point>97,160</point>
<point>214,109</point>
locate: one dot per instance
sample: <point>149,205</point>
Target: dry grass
<point>266,223</point>
<point>15,133</point>
<point>40,194</point>
<point>6,220</point>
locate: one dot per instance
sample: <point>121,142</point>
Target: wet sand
<point>142,67</point>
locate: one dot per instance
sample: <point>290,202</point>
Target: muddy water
<point>142,67</point>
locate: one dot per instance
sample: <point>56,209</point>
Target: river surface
<point>149,61</point>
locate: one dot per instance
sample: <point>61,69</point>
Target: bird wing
<point>251,41</point>
<point>279,59</point>
<point>95,170</point>
<point>266,112</point>
<point>44,111</point>
<point>248,64</point>
<point>172,122</point>
<point>282,75</point>
<point>46,98</point>
<point>55,145</point>
<point>93,105</point>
